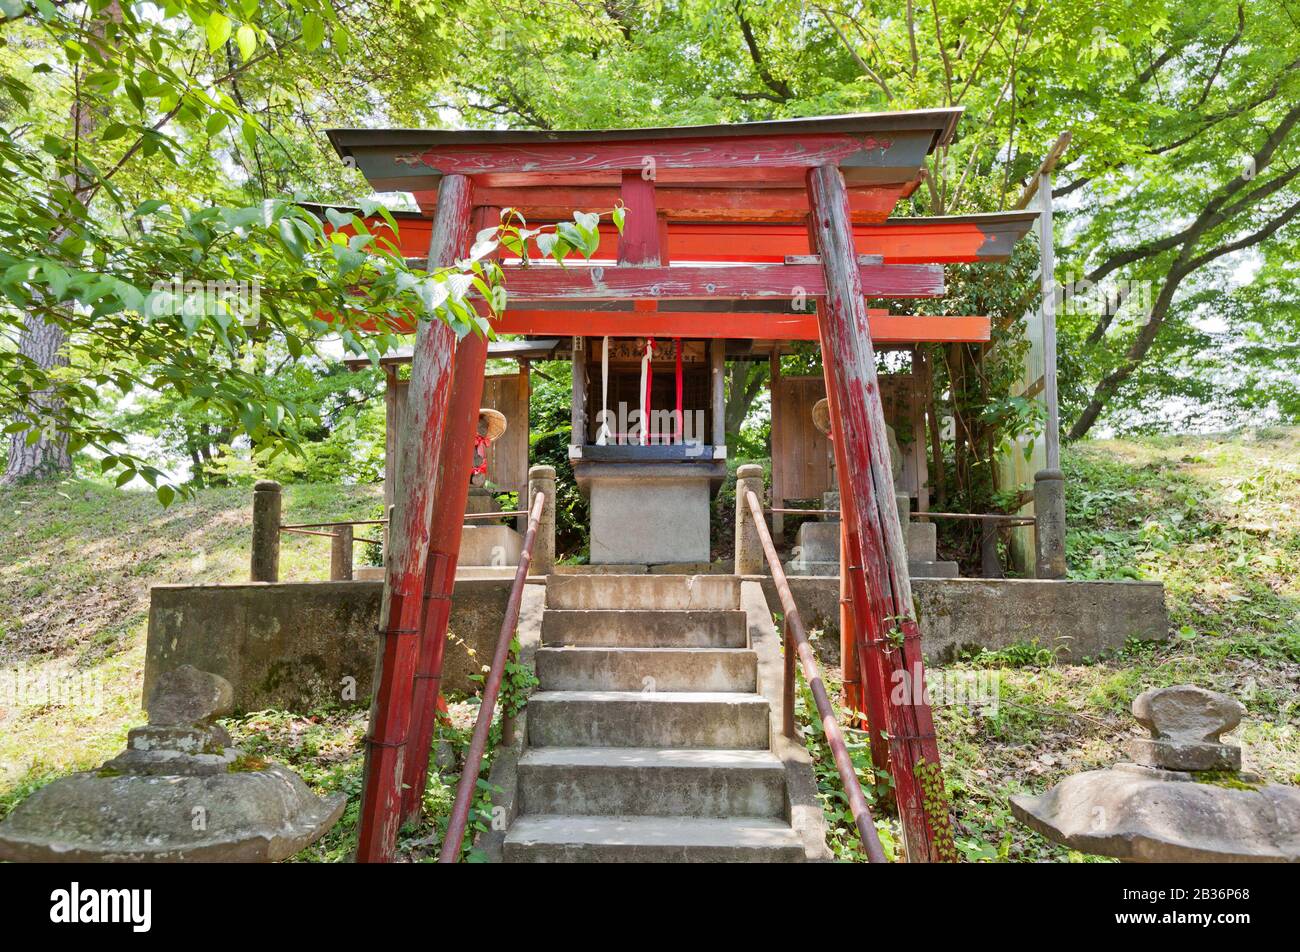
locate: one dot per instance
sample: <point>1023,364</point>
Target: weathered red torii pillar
<point>888,638</point>
<point>451,492</point>
<point>402,612</point>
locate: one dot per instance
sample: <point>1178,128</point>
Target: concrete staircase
<point>648,739</point>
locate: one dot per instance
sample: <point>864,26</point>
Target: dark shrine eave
<point>942,121</point>
<point>889,148</point>
<point>538,349</point>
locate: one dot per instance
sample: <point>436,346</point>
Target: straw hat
<point>821,414</point>
<point>496,423</point>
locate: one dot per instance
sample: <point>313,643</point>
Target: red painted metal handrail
<point>812,674</point>
<point>491,689</point>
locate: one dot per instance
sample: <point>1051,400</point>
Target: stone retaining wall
<point>300,645</point>
<point>295,645</point>
<point>1080,619</point>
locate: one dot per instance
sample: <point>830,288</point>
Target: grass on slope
<point>1217,519</point>
<point>75,571</point>
<point>76,564</point>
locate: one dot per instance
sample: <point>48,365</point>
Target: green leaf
<point>246,39</point>
<point>291,238</point>
<point>581,238</point>
<point>313,31</point>
<point>114,130</point>
<point>339,219</point>
<point>218,30</point>
<point>57,278</point>
<point>618,215</point>
<point>165,495</point>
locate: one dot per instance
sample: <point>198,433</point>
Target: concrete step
<point>647,669</point>
<point>647,592</point>
<point>932,569</point>
<point>914,569</point>
<point>638,628</point>
<point>651,782</point>
<point>648,719</point>
<point>622,839</point>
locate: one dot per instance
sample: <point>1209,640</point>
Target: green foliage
<point>1024,654</point>
<point>842,830</point>
<point>550,428</point>
<point>517,683</point>
<point>123,276</point>
<point>938,810</point>
<point>325,748</point>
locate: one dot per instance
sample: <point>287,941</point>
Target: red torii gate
<point>765,213</point>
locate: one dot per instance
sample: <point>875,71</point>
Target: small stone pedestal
<point>483,543</point>
<point>179,793</point>
<point>1184,799</point>
<point>817,545</point>
<point>481,499</point>
<point>649,513</point>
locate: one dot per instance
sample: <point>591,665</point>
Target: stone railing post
<point>542,479</point>
<point>1049,524</point>
<point>749,549</point>
<point>264,566</point>
<point>341,554</point>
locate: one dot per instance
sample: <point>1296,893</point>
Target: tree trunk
<point>745,380</point>
<point>48,457</point>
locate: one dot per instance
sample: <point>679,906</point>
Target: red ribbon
<point>481,442</point>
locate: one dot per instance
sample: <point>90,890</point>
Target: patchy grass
<point>75,573</point>
<point>1217,519</point>
<point>76,565</point>
<point>326,749</point>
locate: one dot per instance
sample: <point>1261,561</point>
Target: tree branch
<point>1253,238</point>
<point>1214,213</point>
<point>1223,53</point>
<point>862,64</point>
<point>778,86</point>
<point>1184,266</point>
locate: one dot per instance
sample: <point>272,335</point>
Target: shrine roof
<point>869,147</point>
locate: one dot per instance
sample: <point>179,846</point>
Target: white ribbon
<point>603,436</point>
<point>645,369</point>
